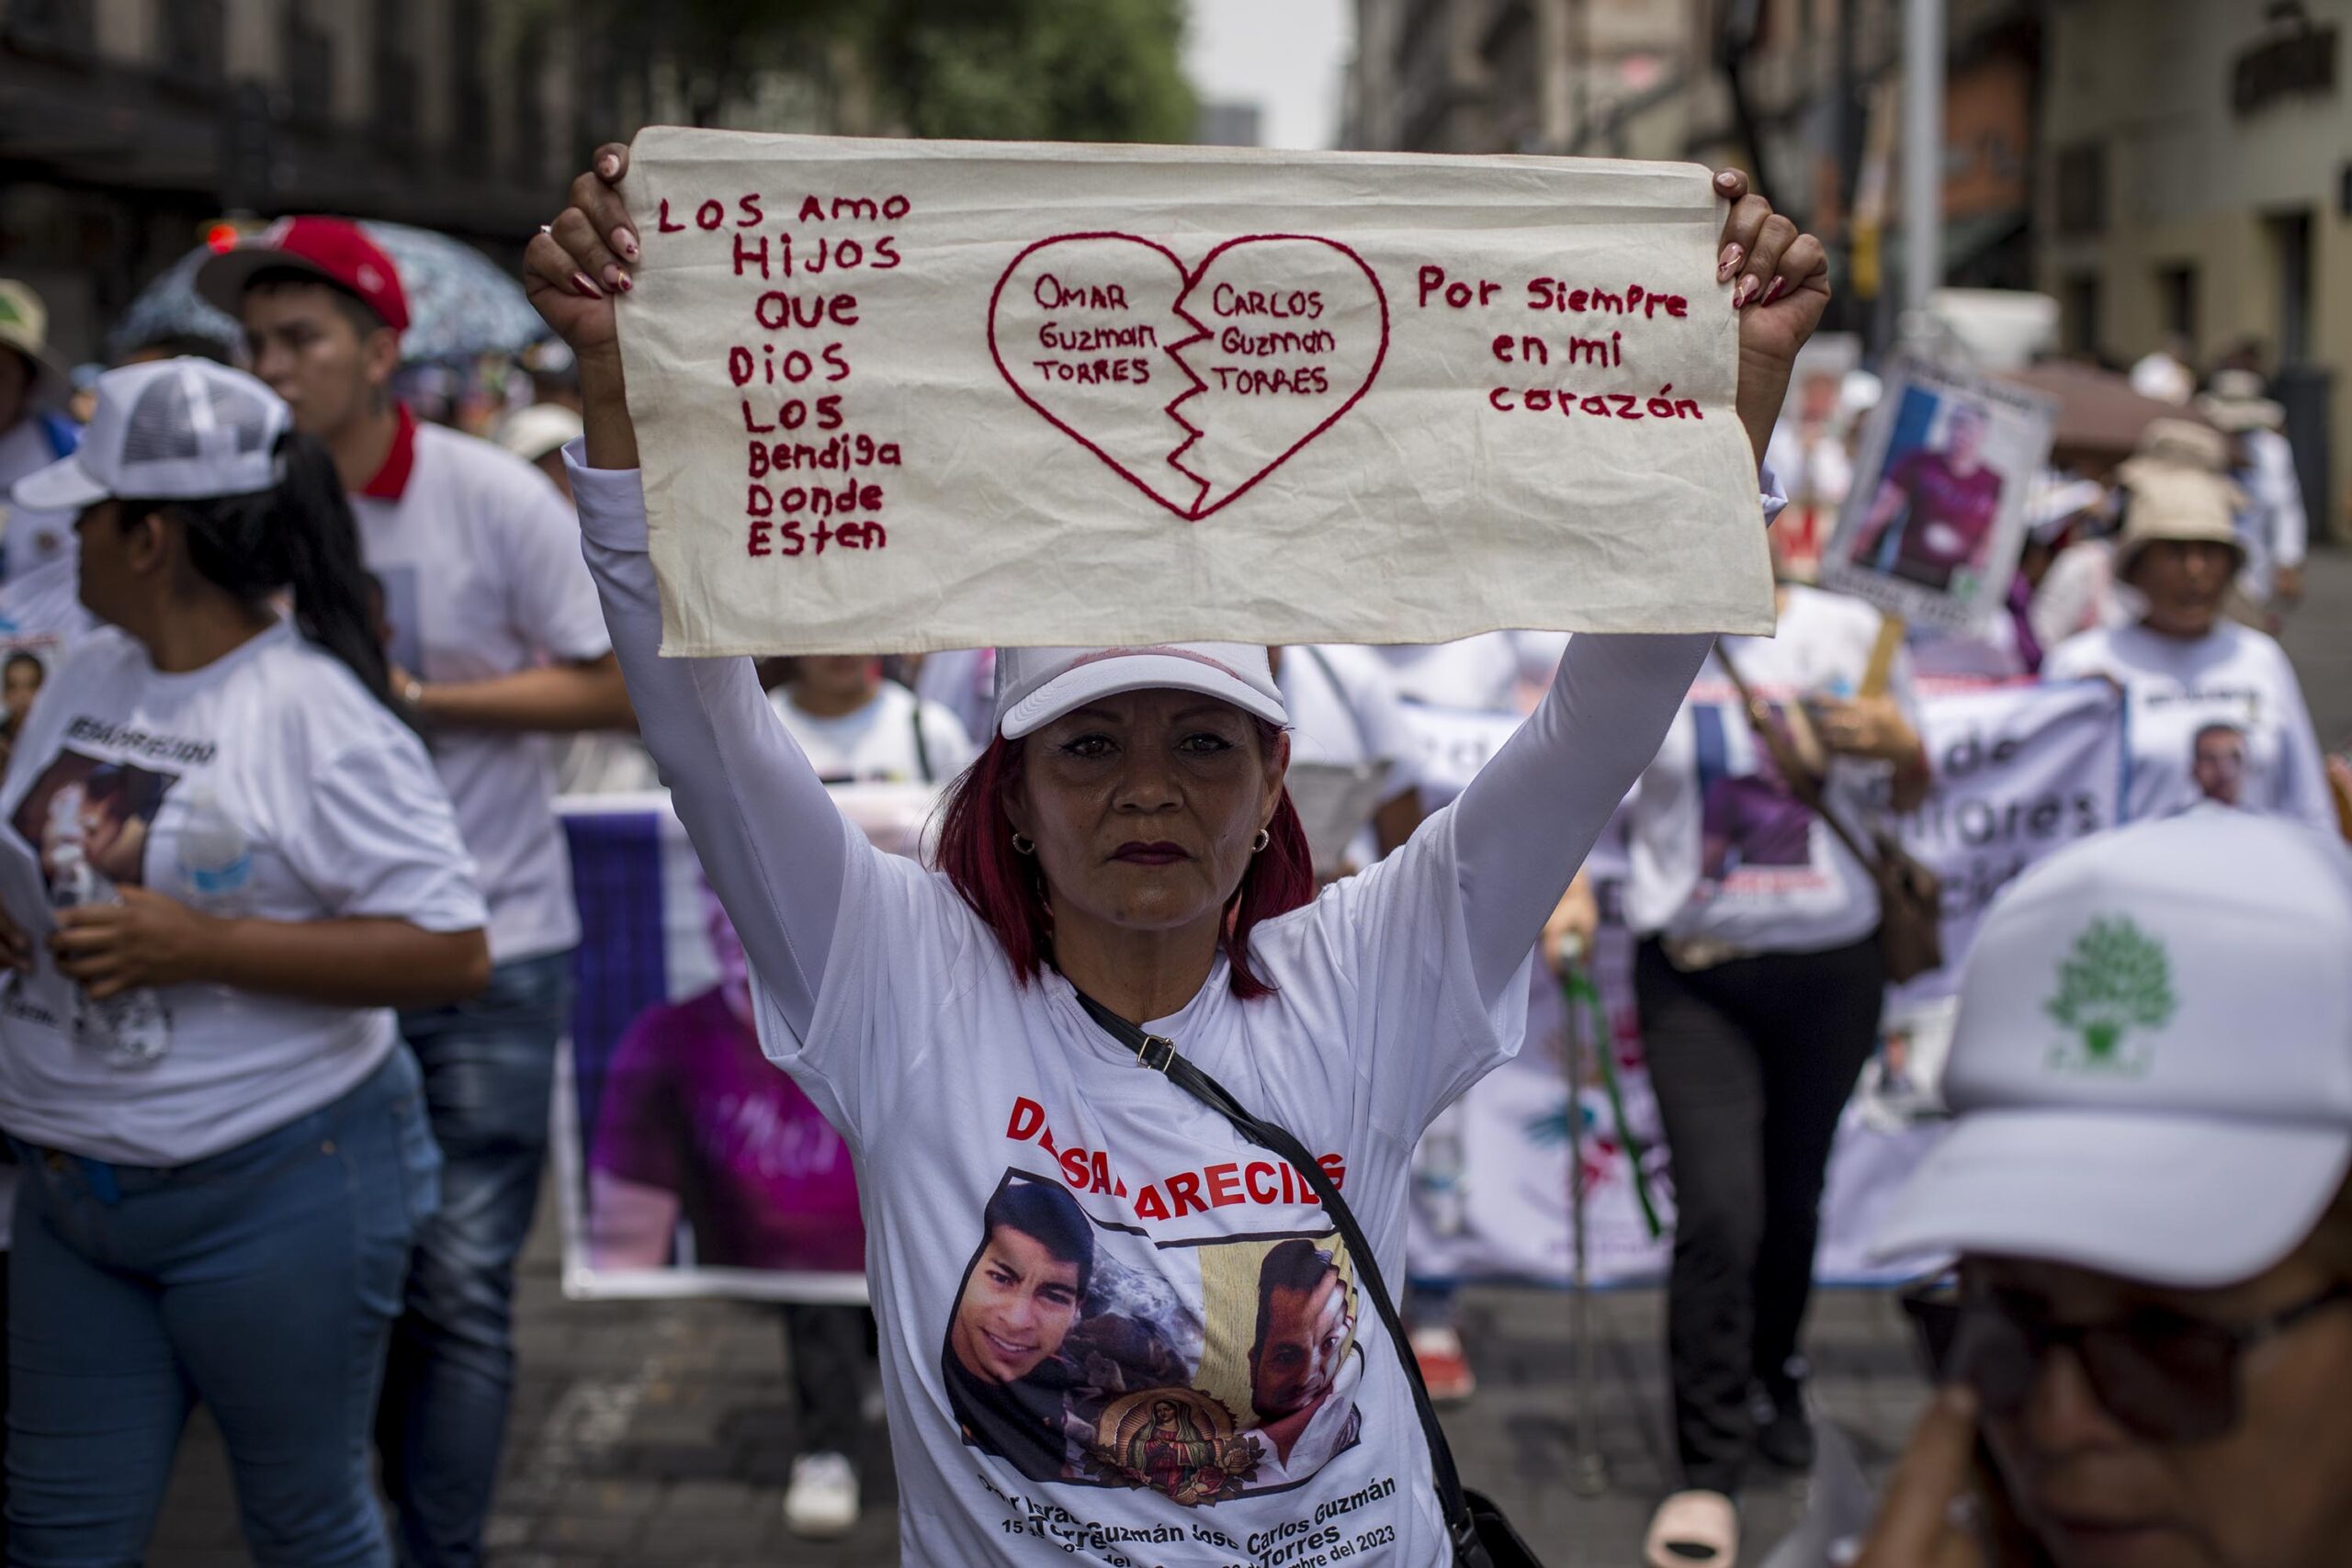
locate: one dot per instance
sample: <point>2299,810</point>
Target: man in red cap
<point>497,641</point>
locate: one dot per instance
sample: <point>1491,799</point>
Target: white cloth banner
<point>896,396</point>
<point>2022,771</point>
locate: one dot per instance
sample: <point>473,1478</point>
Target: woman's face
<point>1144,807</point>
<point>2184,582</point>
<point>2271,1492</point>
<point>1019,1305</point>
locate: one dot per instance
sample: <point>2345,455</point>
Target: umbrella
<point>2099,416</point>
<point>461,303</point>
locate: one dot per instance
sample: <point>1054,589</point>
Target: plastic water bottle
<point>130,1027</point>
<point>216,861</point>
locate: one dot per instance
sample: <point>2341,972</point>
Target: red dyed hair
<point>1007,890</point>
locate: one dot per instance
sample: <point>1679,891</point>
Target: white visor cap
<point>2153,1072</point>
<point>170,430</point>
<point>1036,686</point>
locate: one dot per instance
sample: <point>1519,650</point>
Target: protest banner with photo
<point>2022,771</point>
<point>689,1164</point>
<point>901,396</point>
<point>1932,528</point>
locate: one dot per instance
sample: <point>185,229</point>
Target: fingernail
<point>609,165</point>
<point>614,279</point>
<point>1729,262</point>
<point>1744,292</point>
<point>586,285</point>
<point>625,243</point>
<point>1726,179</point>
<point>627,283</point>
<point>1773,291</point>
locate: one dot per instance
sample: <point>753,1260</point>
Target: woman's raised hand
<point>571,273</point>
<point>1780,282</point>
<point>574,271</point>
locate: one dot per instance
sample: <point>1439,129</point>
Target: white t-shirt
<point>1481,672</point>
<point>33,538</point>
<point>268,784</point>
<point>962,681</point>
<point>2219,718</point>
<point>1344,709</point>
<point>1720,848</point>
<point>1134,1412</point>
<point>480,560</point>
<point>877,744</point>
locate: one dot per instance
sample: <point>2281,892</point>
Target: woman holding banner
<point>1760,986</point>
<point>1125,839</point>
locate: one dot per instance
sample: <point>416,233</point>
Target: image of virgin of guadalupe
<point>1007,1370</point>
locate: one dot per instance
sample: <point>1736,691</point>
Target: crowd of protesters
<point>296,676</point>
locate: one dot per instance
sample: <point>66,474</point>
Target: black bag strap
<point>1160,1054</point>
<point>922,747</point>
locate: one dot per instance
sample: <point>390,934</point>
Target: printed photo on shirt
<point>87,821</point>
<point>2218,745</point>
<point>1754,836</point>
<point>1932,528</point>
<point>1078,1351</point>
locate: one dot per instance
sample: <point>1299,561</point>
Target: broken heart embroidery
<point>1192,385</point>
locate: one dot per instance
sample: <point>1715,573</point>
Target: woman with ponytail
<point>1125,849</point>
<point>224,858</point>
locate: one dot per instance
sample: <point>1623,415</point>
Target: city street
<point>662,1432</point>
<point>792,566</point>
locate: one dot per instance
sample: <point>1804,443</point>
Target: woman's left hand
<point>1780,282</point>
<point>146,940</point>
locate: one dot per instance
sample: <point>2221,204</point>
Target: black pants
<point>1752,1061</point>
<point>828,1348</point>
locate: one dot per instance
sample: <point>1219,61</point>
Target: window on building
<point>393,76</point>
<point>469,95</point>
<point>2290,251</point>
<point>530,144</point>
<point>2082,190</point>
<point>310,66</point>
<point>2177,300</point>
<point>195,39</point>
<point>2078,312</point>
<point>67,27</point>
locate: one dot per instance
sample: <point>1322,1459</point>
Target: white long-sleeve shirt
<point>1093,1381</point>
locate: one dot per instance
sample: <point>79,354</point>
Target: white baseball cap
<point>169,429</point>
<point>532,432</point>
<point>2153,1071</point>
<point>1036,686</point>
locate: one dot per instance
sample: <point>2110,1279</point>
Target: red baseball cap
<point>333,248</point>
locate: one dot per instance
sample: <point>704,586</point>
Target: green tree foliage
<point>1030,70</point>
<point>1010,70</point>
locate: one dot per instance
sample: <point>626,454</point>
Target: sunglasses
<point>2168,1377</point>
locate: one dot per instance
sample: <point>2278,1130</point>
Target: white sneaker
<point>822,1501</point>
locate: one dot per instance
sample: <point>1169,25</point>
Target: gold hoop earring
<point>1258,845</point>
<point>1021,846</point>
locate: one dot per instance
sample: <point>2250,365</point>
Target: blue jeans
<point>262,1281</point>
<point>488,1076</point>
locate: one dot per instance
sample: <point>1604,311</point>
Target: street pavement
<point>659,1433</point>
